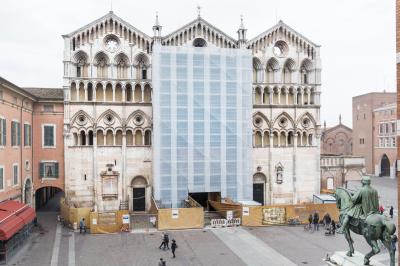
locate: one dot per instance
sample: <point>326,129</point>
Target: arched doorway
<point>385,166</point>
<point>259,181</point>
<point>28,192</point>
<point>139,185</point>
<point>48,198</point>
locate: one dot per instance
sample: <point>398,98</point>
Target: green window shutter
<point>5,132</point>
<point>12,133</point>
<point>56,170</point>
<point>41,170</point>
<point>19,133</point>
<point>1,178</point>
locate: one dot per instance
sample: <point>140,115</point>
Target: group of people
<point>327,221</point>
<point>165,245</point>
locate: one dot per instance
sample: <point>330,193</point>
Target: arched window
<point>310,140</point>
<point>101,62</point>
<point>100,138</point>
<point>73,92</point>
<point>138,138</point>
<point>271,69</point>
<point>90,135</point>
<point>147,94</point>
<point>266,139</point>
<point>257,96</point>
<point>109,138</point>
<point>290,139</point>
<point>129,138</point>
<point>305,70</point>
<point>282,139</point>
<point>122,64</point>
<point>288,68</point>
<point>81,64</point>
<point>147,138</point>
<point>76,139</point>
<point>275,139</point>
<point>141,63</point>
<point>118,93</point>
<point>138,94</point>
<point>118,138</point>
<point>128,93</point>
<point>304,139</point>
<point>81,92</point>
<point>99,93</point>
<point>82,137</point>
<point>257,70</point>
<point>109,93</point>
<point>90,92</point>
<point>257,139</point>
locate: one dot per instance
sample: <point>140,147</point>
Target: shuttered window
<point>48,135</point>
<point>15,174</point>
<point>49,170</point>
<point>27,135</point>
<point>1,178</point>
<point>3,132</point>
<point>15,133</point>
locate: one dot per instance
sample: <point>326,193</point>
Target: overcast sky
<point>357,37</point>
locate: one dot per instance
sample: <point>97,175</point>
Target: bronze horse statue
<point>375,227</point>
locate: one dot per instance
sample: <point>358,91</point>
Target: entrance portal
<point>139,199</point>
<point>385,166</point>
<point>258,193</point>
<point>259,182</point>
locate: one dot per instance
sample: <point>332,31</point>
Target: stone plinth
<point>339,258</point>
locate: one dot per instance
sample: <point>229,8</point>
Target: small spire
<point>241,22</point>
<point>157,22</point>
<point>198,11</point>
<point>340,119</point>
<point>324,124</point>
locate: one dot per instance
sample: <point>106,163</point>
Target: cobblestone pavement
<point>195,247</point>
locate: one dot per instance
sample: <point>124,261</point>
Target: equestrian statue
<point>359,212</point>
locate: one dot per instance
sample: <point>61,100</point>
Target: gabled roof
<point>105,17</point>
<point>337,127</point>
<point>16,88</point>
<point>201,21</point>
<point>46,93</point>
<point>285,26</point>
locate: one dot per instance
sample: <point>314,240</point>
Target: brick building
<point>337,140</point>
<point>364,124</point>
<point>31,123</point>
<point>398,94</point>
<point>384,137</point>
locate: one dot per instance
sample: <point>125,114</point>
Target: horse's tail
<point>390,227</point>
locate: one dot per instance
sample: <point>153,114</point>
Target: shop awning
<point>13,216</point>
<point>10,224</point>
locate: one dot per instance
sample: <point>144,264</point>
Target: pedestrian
<point>316,221</point>
<point>327,220</point>
<point>166,241</point>
<point>173,247</point>
<point>162,262</point>
<point>381,209</point>
<point>310,219</point>
<point>162,241</point>
<point>82,226</point>
<point>333,227</point>
<point>391,212</point>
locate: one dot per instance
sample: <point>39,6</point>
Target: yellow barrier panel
<point>180,218</point>
<point>280,214</point>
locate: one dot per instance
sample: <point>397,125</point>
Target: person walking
<point>162,262</point>
<point>162,241</point>
<point>173,247</point>
<point>82,226</point>
<point>381,209</point>
<point>333,227</point>
<point>316,221</point>
<point>310,220</point>
<point>166,241</point>
<point>391,212</point>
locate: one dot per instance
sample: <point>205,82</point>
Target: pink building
<point>384,135</point>
<point>31,143</point>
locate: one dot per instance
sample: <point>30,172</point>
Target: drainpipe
<point>20,147</point>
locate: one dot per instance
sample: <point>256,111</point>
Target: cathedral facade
<point>110,122</point>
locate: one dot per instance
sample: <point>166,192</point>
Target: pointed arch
<point>290,121</point>
<point>111,112</point>
<point>141,113</point>
<point>310,117</point>
<point>82,113</point>
<point>259,114</point>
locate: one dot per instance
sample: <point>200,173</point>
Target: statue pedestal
<point>339,258</point>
